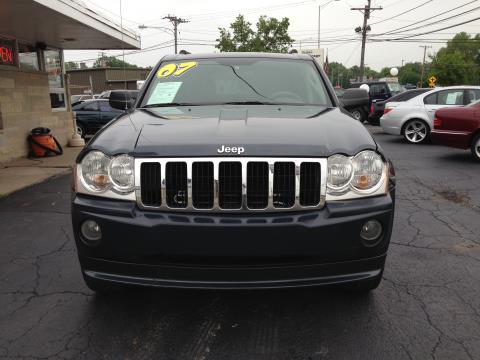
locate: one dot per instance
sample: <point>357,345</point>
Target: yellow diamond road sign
<point>432,81</point>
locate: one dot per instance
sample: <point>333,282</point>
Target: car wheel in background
<point>358,114</point>
<point>476,147</point>
<point>416,131</point>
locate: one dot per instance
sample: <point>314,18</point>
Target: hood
<point>320,133</point>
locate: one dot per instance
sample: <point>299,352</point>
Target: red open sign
<point>8,54</point>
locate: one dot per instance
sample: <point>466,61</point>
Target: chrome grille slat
<point>297,180</point>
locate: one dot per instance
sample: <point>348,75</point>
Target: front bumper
<point>232,251</point>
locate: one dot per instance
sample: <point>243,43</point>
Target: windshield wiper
<point>171,104</point>
<point>249,103</point>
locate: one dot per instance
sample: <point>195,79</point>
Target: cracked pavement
<point>427,307</point>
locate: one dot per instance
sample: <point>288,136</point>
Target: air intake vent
<point>257,185</point>
<point>234,184</point>
<point>176,175</point>
<point>284,185</point>
<point>151,180</point>
<point>202,185</point>
<point>309,184</point>
<point>230,185</point>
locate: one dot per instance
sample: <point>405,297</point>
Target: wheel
<point>80,130</point>
<point>476,147</point>
<point>358,114</point>
<point>416,131</point>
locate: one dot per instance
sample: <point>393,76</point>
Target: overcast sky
<point>337,24</point>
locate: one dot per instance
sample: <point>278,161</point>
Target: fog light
<point>91,231</point>
<point>371,232</point>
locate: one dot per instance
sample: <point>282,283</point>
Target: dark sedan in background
<point>92,115</point>
<point>459,127</point>
<point>378,106</point>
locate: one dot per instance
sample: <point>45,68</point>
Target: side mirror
<point>121,100</point>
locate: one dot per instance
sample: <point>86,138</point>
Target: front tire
<point>416,131</point>
<point>475,147</point>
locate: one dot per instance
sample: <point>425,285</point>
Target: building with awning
<point>33,89</point>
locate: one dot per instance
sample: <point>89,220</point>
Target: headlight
<point>365,174</point>
<point>120,172</point>
<point>367,170</point>
<point>98,174</point>
<point>95,171</point>
<point>340,171</point>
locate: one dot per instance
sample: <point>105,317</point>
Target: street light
<point>155,27</point>
<point>164,29</point>
<point>319,12</point>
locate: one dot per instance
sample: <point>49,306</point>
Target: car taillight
<point>387,110</point>
<point>372,110</point>
<point>437,122</point>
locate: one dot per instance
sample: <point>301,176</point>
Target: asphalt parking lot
<point>428,305</point>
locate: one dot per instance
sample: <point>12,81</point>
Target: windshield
<point>395,88</point>
<point>248,81</point>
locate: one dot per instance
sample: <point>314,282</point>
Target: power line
<point>402,13</point>
<point>430,17</point>
<point>438,21</point>
<point>436,30</point>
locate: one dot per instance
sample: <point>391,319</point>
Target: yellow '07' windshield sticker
<point>175,69</point>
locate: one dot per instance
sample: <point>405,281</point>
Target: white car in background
<point>413,119</point>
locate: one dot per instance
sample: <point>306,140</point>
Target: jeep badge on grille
<point>231,150</point>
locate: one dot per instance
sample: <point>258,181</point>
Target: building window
<point>28,57</point>
<point>54,68</point>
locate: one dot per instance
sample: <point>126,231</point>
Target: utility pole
<point>366,15</point>
<point>175,21</point>
<point>425,47</point>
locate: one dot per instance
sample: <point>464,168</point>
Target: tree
<point>459,62</point>
<point>271,35</point>
<point>71,65</point>
<point>410,74</point>
<point>112,61</point>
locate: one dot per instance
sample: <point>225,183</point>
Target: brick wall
<point>24,105</point>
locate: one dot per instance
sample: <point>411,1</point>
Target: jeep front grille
<point>230,184</point>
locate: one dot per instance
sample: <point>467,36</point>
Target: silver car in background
<point>413,119</point>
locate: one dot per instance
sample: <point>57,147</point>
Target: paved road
<point>428,305</point>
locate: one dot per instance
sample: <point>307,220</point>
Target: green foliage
<point>410,74</point>
<point>71,65</point>
<point>112,61</point>
<point>271,35</point>
<point>341,75</point>
<point>459,62</point>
